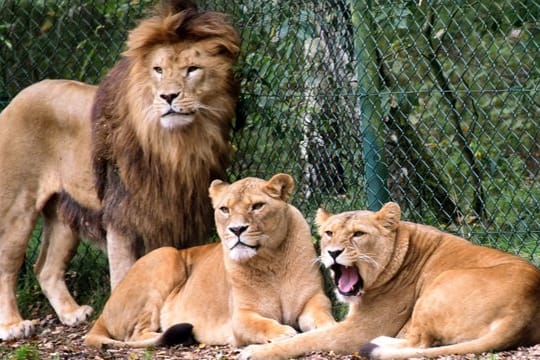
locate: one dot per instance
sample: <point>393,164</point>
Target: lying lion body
<point>437,293</point>
<point>259,284</point>
<point>126,164</point>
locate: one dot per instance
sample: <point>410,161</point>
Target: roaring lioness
<point>438,293</point>
<point>260,284</point>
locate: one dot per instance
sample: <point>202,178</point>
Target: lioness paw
<point>81,314</point>
<point>285,333</point>
<point>254,352</point>
<point>19,330</point>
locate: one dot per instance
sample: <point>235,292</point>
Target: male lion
<point>126,164</point>
<point>259,284</point>
<point>440,293</point>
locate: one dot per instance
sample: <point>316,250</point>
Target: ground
<point>56,341</point>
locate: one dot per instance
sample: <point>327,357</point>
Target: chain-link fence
<point>433,103</point>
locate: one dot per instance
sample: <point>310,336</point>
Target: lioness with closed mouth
<point>415,291</point>
<point>260,284</point>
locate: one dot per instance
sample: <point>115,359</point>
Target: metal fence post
<point>375,170</point>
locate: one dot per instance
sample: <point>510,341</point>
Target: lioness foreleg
<point>58,245</point>
<point>339,337</point>
<point>251,327</point>
<point>316,313</point>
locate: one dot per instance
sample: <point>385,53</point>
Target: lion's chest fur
<point>162,208</point>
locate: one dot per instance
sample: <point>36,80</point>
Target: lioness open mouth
<point>347,279</point>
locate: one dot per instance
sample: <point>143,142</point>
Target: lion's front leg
<point>249,327</point>
<point>121,255</point>
<point>14,235</point>
<point>58,245</point>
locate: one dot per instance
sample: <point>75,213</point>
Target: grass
<point>24,352</point>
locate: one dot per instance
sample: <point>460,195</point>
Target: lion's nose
<point>334,254</point>
<point>169,97</point>
<point>237,230</point>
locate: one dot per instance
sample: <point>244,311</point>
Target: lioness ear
<point>280,186</point>
<point>321,216</point>
<point>389,215</point>
<point>216,188</point>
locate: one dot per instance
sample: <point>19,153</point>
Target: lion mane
<point>153,181</point>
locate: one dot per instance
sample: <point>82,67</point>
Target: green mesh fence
<point>433,104</point>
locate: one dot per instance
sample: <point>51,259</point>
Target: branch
<point>444,84</point>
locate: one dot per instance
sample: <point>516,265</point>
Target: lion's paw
<point>254,352</point>
<point>287,332</point>
<point>81,314</point>
<point>22,329</point>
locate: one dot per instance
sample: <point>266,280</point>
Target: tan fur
<point>437,293</point>
<point>112,160</point>
<point>263,288</point>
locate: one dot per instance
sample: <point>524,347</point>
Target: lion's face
<point>251,214</point>
<point>356,246</point>
<point>184,78</point>
<point>180,72</point>
<point>176,75</point>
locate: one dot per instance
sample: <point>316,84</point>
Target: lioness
<point>261,283</point>
<point>438,293</point>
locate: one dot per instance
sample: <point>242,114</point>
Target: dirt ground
<point>56,341</point>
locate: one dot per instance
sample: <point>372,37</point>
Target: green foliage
<point>23,352</point>
<point>61,39</point>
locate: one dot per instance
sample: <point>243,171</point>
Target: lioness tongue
<point>349,277</point>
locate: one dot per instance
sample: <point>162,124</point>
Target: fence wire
<point>433,104</point>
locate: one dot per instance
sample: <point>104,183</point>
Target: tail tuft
<point>179,334</point>
<point>367,349</point>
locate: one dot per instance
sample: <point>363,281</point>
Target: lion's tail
<point>375,350</point>
<point>99,336</point>
<point>176,334</point>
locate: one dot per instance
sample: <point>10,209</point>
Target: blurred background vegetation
<point>433,104</point>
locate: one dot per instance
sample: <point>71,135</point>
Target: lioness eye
<point>158,69</point>
<point>358,233</point>
<point>192,69</point>
<point>257,206</point>
<point>329,233</point>
<point>224,209</point>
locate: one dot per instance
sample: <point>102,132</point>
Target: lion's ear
<point>321,216</point>
<point>216,188</point>
<point>280,186</point>
<point>167,7</point>
<point>389,215</point>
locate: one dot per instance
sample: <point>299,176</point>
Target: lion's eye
<point>224,209</point>
<point>329,233</point>
<point>257,206</point>
<point>358,234</point>
<point>192,69</point>
<point>158,69</point>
